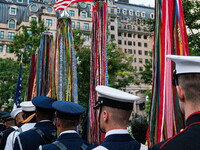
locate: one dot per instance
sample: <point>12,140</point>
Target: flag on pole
<point>62,4</point>
<point>18,89</point>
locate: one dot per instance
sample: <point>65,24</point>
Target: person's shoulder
<point>47,147</point>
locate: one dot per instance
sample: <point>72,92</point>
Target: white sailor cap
<point>111,97</point>
<point>27,106</point>
<point>186,64</point>
<point>16,111</point>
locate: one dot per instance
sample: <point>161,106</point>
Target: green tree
<point>191,11</point>
<point>26,42</point>
<point>8,80</point>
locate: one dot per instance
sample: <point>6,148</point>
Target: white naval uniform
<point>11,138</point>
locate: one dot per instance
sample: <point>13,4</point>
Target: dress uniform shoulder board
<point>173,138</point>
<point>60,145</point>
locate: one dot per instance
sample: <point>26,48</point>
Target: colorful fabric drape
<point>98,67</point>
<point>65,69</point>
<point>170,37</point>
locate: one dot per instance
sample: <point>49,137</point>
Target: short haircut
<point>119,116</point>
<point>69,123</point>
<point>191,86</point>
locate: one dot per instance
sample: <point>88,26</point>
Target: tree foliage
<point>192,16</point>
<point>26,42</point>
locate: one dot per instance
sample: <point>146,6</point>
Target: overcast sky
<point>143,2</point>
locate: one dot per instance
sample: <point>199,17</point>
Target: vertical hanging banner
<point>98,68</point>
<point>65,68</point>
<point>170,37</point>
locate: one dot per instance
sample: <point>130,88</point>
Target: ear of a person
<point>181,93</point>
<point>105,115</point>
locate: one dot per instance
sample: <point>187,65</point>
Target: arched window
<point>12,23</point>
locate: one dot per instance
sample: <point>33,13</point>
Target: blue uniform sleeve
<point>17,143</point>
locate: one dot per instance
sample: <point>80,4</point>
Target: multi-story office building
<point>126,24</point>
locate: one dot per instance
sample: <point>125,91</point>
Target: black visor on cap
<point>113,103</point>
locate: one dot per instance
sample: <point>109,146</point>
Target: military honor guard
<point>67,119</point>
<point>16,114</point>
<point>44,132</point>
<point>187,82</point>
<point>114,109</point>
<point>28,110</point>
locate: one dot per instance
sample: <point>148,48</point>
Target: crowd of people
<point>47,124</point>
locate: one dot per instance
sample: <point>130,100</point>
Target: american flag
<point>18,89</point>
<point>62,4</point>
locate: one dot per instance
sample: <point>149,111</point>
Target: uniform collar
<point>68,131</point>
<point>116,131</point>
<point>193,118</point>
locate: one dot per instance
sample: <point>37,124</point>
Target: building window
<point>129,35</point>
<point>141,69</point>
<point>34,18</point>
<point>125,50</point>
<point>89,6</point>
<point>139,44</point>
<point>133,35</point>
<point>49,22</point>
<point>86,37</point>
<point>145,37</point>
<point>112,19</point>
<point>130,43</point>
<point>72,13</point>
<point>90,15</point>
<point>138,21</point>
<point>133,27</point>
<point>146,53</point>
<point>128,20</point>
<point>124,34</point>
<point>119,34</point>
<point>112,27</point>
<point>130,51</point>
<point>118,19</point>
<point>34,8</point>
<point>145,45</point>
<point>83,5</point>
<point>124,26</point>
<point>152,16</point>
<point>139,36</point>
<point>139,28</point>
<point>73,24</point>
<point>112,11</point>
<point>143,14</point>
<point>49,9</point>
<point>137,13</point>
<point>86,26</point>
<point>119,42</point>
<point>11,35</point>
<point>140,60</point>
<point>78,25</point>
<point>124,42</point>
<point>2,35</point>
<point>129,27</point>
<point>124,12</point>
<point>112,36</point>
<point>131,13</point>
<point>13,11</point>
<point>119,26</point>
<point>83,15</point>
<point>140,52</point>
<point>12,23</point>
<point>133,43</point>
<point>19,1</point>
<point>1,48</point>
<point>8,49</point>
<point>135,60</point>
<point>134,51</point>
<point>118,11</point>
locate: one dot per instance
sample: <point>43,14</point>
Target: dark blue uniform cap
<point>43,102</point>
<point>3,113</point>
<point>68,110</point>
<point>6,117</point>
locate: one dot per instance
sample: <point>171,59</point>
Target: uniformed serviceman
<point>44,132</point>
<point>68,118</point>
<point>17,115</point>
<point>187,81</point>
<point>28,112</point>
<point>114,109</point>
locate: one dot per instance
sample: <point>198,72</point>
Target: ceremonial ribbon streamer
<point>65,68</point>
<point>98,68</point>
<point>170,37</point>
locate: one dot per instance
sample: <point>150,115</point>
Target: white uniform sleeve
<point>11,140</point>
<point>100,148</point>
<point>143,147</point>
